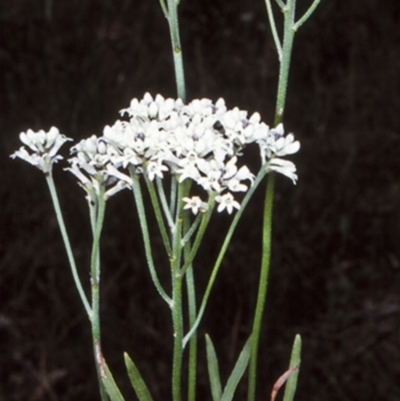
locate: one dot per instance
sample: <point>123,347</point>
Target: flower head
<point>201,141</point>
<point>93,165</point>
<point>44,147</point>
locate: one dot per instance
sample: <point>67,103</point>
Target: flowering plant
<point>189,156</point>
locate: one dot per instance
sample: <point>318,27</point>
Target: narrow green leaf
<point>295,360</point>
<point>237,372</point>
<point>137,381</point>
<point>213,370</point>
<point>109,383</point>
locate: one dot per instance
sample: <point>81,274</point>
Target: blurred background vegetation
<point>336,260</point>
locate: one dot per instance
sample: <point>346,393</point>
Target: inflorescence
<point>201,141</point>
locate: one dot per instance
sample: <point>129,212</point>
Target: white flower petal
<point>285,167</point>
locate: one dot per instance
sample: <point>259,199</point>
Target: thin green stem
<point>137,194</point>
<point>193,340</point>
<point>176,306</point>
<point>164,203</point>
<point>274,31</point>
<point>164,8</point>
<point>280,3</point>
<point>285,58</point>
<point>224,247</point>
<point>192,229</point>
<point>200,233</point>
<point>159,218</point>
<point>288,37</point>
<point>67,244</point>
<point>262,286</point>
<point>99,208</point>
<point>306,15</point>
<point>178,330</point>
<point>176,48</point>
<point>191,299</point>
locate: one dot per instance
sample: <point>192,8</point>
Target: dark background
<point>336,263</point>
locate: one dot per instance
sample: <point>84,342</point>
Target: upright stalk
<point>262,286</point>
<point>97,225</point>
<point>177,276</point>
<point>288,36</point>
<point>191,299</point>
<point>176,306</point>
<point>173,23</point>
<point>137,194</point>
<point>67,244</point>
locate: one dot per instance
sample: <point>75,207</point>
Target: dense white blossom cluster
<point>201,141</point>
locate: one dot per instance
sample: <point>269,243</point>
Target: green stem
<point>191,230</point>
<point>157,211</point>
<point>200,233</point>
<point>306,15</point>
<point>67,244</point>
<point>224,247</point>
<point>164,202</point>
<point>193,339</point>
<point>288,37</point>
<point>178,330</point>
<point>262,286</point>
<point>191,295</point>
<point>164,8</point>
<point>99,209</point>
<point>176,48</point>
<point>274,31</point>
<point>285,59</point>
<point>176,305</point>
<point>137,194</point>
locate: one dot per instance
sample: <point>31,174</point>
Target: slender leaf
<point>109,383</point>
<point>137,381</point>
<point>237,372</point>
<point>213,370</point>
<point>295,361</point>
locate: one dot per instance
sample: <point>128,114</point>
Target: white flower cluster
<point>44,147</point>
<point>201,141</point>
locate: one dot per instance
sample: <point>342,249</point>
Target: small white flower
<point>93,154</point>
<point>119,186</point>
<point>195,204</point>
<point>155,168</point>
<point>211,182</point>
<point>286,146</point>
<point>236,186</point>
<point>44,147</point>
<point>233,177</point>
<point>284,167</point>
<point>112,171</point>
<point>95,165</point>
<point>278,131</point>
<point>189,170</point>
<point>227,202</point>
